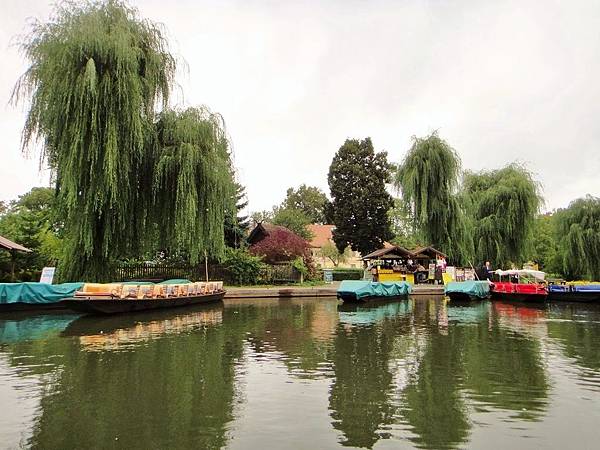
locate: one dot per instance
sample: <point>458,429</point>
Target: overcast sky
<point>502,81</point>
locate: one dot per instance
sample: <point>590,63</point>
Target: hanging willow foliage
<point>503,205</point>
<point>98,73</point>
<point>579,245</point>
<point>428,180</point>
<point>192,172</point>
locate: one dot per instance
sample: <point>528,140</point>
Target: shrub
<point>243,267</point>
<point>281,245</point>
<point>350,274</point>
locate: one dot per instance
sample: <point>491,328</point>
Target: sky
<point>501,81</point>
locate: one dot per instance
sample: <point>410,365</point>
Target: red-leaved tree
<point>281,245</point>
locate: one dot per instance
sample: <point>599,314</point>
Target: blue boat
<point>574,292</point>
<point>363,291</point>
<point>466,291</point>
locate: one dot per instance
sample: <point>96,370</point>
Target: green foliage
<point>262,216</point>
<point>428,179</point>
<point>579,246</point>
<point>245,268</point>
<point>503,205</point>
<point>402,226</point>
<point>360,202</point>
<point>192,173</point>
<point>98,72</point>
<point>308,199</point>
<point>31,221</point>
<point>300,266</point>
<point>544,246</point>
<point>330,251</point>
<point>236,223</point>
<point>293,219</point>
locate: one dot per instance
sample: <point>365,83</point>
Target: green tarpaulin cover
<point>374,289</point>
<point>36,292</point>
<point>479,289</point>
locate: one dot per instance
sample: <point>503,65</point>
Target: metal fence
<point>271,274</point>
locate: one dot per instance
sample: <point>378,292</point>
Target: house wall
<point>354,262</point>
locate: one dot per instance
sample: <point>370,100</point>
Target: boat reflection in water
<point>372,312</point>
<point>98,333</point>
<point>22,326</point>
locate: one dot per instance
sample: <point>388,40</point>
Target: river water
<point>304,374</point>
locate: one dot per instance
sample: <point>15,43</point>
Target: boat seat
<point>99,289</point>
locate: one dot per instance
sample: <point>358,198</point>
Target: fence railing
<point>271,274</point>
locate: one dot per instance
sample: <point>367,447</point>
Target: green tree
<point>503,205</point>
<point>428,180</point>
<point>236,223</point>
<point>544,246</point>
<point>360,202</point>
<point>579,229</point>
<point>98,73</point>
<point>293,219</point>
<point>309,199</point>
<point>331,252</point>
<point>402,226</point>
<point>31,221</point>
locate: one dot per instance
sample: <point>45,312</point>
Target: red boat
<point>519,285</point>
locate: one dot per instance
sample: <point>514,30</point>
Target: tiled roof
<point>10,245</point>
<point>322,234</point>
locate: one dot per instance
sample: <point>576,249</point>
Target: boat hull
<point>352,298</point>
<point>463,297</point>
<point>24,306</point>
<point>519,297</point>
<point>580,296</point>
<point>89,305</point>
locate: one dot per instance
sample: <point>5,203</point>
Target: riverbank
<point>310,291</point>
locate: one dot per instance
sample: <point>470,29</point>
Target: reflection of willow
<point>175,392</point>
<point>474,357</point>
<point>504,368</point>
<point>112,333</point>
<point>361,399</point>
<point>432,402</point>
<point>576,327</point>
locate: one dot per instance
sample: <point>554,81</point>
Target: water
<point>304,374</point>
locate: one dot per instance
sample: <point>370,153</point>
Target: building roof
<point>322,234</point>
<point>428,251</point>
<point>393,252</point>
<point>262,230</point>
<point>10,245</point>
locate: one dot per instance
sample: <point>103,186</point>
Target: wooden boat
<point>519,285</point>
<point>118,298</point>
<point>574,293</point>
<point>467,291</point>
<point>363,291</point>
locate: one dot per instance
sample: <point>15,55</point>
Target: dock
<point>308,291</point>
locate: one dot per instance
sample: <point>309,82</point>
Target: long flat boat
<point>364,291</point>
<point>115,299</point>
<point>519,285</point>
<point>586,293</point>
<point>467,291</point>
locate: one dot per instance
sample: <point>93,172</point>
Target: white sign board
<point>47,275</point>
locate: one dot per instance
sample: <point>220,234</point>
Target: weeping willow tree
<point>192,173</point>
<point>98,74</point>
<point>579,246</point>
<point>502,205</point>
<point>428,180</point>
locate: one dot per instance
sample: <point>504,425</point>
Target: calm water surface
<point>304,374</point>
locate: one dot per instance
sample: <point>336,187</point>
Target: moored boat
<point>29,296</point>
<point>519,285</point>
<point>574,292</point>
<point>363,291</point>
<point>466,291</point>
<point>116,298</point>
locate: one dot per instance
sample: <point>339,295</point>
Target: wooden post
<point>13,257</point>
<point>206,265</point>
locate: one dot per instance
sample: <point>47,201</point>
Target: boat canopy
<point>537,274</point>
<point>374,289</point>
